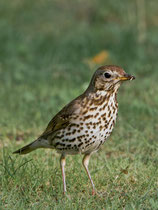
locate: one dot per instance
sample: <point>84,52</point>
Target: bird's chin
<point>114,87</point>
<point>117,85</point>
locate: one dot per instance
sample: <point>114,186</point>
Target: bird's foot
<point>66,196</point>
<point>93,192</point>
<point>64,192</point>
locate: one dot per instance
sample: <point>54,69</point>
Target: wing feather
<point>63,118</point>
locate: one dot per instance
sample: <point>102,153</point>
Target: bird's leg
<point>62,165</point>
<point>85,162</point>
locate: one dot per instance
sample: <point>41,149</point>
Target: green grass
<point>43,49</point>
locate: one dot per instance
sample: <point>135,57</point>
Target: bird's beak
<point>126,77</point>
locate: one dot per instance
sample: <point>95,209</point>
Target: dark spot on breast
<point>88,116</point>
<point>73,125</point>
<point>96,114</point>
<point>111,118</point>
<point>87,140</point>
<point>68,145</point>
<point>105,105</point>
<point>111,126</point>
<point>74,131</point>
<point>59,144</point>
<point>87,145</point>
<point>92,142</point>
<point>100,109</point>
<point>85,111</point>
<point>71,140</point>
<point>106,126</point>
<point>93,108</point>
<point>80,144</point>
<point>75,117</point>
<point>109,113</point>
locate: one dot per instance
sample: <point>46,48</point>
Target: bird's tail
<point>28,148</point>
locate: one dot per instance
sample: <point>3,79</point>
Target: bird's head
<point>109,78</point>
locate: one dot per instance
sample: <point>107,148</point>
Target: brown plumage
<point>85,123</point>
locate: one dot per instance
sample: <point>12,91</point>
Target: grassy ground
<point>47,56</point>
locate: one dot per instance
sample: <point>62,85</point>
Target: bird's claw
<point>93,192</point>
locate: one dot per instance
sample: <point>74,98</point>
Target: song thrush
<point>85,123</point>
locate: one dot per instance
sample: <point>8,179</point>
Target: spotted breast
<point>90,126</point>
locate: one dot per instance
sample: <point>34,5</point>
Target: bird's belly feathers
<point>86,134</point>
<point>99,129</point>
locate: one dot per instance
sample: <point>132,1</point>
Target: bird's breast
<point>90,128</point>
<point>97,121</point>
<point>100,117</point>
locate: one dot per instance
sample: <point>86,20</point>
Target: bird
<point>84,124</point>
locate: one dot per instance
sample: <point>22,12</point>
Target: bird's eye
<point>107,75</point>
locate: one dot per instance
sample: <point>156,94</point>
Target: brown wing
<point>63,118</point>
